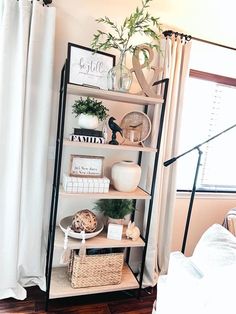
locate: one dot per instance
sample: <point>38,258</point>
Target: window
<point>209,108</point>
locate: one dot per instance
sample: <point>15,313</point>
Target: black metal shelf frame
<point>56,179</point>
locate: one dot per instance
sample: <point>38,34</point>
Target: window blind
<point>209,108</point>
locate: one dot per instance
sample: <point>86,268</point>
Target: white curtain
<point>26,63</point>
<point>174,61</point>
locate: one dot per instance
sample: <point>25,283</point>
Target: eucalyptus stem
<point>139,22</point>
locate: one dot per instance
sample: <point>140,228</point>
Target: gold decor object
<point>84,220</point>
<point>95,270</point>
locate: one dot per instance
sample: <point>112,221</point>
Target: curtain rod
<point>45,2</point>
<point>189,37</point>
<point>213,43</point>
<point>170,33</point>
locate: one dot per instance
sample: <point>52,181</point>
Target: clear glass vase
<point>119,78</point>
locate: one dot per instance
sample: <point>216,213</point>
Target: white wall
<point>212,20</point>
<point>208,19</point>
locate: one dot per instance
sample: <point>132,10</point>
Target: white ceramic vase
<point>86,121</point>
<point>125,175</point>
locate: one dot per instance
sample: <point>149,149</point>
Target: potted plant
<point>122,38</point>
<point>115,209</point>
<point>89,111</point>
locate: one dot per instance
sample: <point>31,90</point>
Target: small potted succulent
<point>115,209</point>
<point>89,111</point>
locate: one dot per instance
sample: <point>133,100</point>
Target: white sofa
<point>203,283</point>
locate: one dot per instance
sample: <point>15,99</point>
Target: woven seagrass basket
<point>95,270</point>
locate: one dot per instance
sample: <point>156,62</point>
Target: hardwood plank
<point>134,306</point>
<point>84,309</point>
<point>107,303</point>
<point>16,307</point>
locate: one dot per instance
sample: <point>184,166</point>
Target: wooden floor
<point>117,303</point>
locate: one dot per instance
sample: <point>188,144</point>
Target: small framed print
<point>114,231</point>
<point>87,67</point>
<point>86,166</point>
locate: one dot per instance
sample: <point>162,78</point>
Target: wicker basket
<point>95,270</point>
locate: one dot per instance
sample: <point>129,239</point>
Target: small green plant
<point>116,209</point>
<point>90,106</point>
<point>139,22</point>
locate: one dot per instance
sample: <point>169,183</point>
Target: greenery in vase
<point>117,208</point>
<point>139,22</point>
<point>90,106</point>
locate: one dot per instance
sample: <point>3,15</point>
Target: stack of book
<point>88,136</point>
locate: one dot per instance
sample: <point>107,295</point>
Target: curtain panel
<point>174,62</point>
<point>27,33</point>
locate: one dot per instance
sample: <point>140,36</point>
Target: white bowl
<point>66,222</point>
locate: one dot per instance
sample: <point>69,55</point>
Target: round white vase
<point>125,175</point>
<point>86,121</point>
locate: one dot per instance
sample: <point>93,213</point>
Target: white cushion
<point>216,248</point>
<point>204,283</point>
<point>181,290</point>
<point>218,290</point>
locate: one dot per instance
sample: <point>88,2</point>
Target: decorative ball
<point>84,220</point>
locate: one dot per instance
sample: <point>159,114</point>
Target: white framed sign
<point>114,231</point>
<point>86,166</point>
<point>87,67</point>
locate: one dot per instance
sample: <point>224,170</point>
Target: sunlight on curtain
<point>26,64</point>
<point>174,61</point>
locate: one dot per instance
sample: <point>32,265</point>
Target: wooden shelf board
<point>60,285</point>
<point>114,96</point>
<point>100,241</point>
<point>112,194</point>
<point>134,148</point>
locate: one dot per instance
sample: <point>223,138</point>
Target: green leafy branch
<point>140,21</point>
